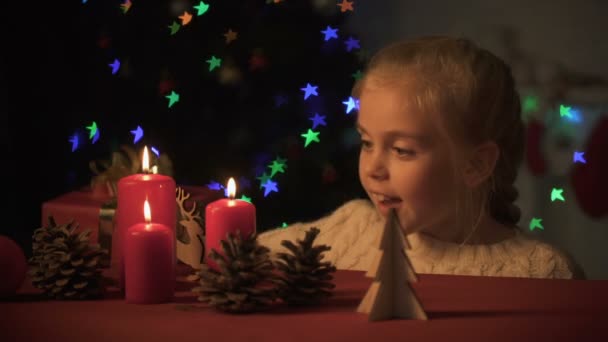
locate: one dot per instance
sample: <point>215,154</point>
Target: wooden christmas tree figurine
<point>390,295</point>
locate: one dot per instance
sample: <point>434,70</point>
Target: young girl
<point>441,143</point>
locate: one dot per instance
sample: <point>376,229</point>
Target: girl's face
<point>402,163</point>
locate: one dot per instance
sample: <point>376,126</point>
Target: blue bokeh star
<point>579,157</point>
<point>74,142</point>
<point>115,66</point>
<point>213,185</point>
<point>309,90</point>
<point>330,33</point>
<point>351,104</point>
<point>317,120</point>
<point>351,44</point>
<point>138,133</point>
<point>269,187</point>
<point>95,137</point>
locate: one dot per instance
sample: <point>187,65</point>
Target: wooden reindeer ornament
<point>189,233</point>
<point>390,295</point>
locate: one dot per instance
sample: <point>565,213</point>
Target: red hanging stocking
<point>590,180</point>
<point>534,158</point>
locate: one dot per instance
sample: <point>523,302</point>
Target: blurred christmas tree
<point>225,88</point>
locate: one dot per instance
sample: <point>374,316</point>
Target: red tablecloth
<point>460,308</point>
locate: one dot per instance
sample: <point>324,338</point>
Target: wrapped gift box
<point>82,207</point>
<point>95,211</point>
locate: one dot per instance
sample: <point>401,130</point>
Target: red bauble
<point>13,267</point>
<point>257,61</point>
<point>329,174</point>
<point>165,86</point>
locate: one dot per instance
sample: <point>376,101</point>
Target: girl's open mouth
<point>385,202</point>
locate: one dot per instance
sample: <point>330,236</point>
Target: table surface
<point>459,308</point>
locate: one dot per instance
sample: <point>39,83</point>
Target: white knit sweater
<point>351,229</point>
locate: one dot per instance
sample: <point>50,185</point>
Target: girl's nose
<point>376,167</point>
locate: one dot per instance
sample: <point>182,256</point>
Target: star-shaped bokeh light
<point>173,98</point>
<point>74,142</point>
<point>556,194</point>
<point>96,136</point>
<point>352,44</point>
<point>115,66</point>
<point>214,62</point>
<point>173,28</point>
<point>536,223</point>
<point>346,5</point>
<point>230,36</point>
<point>270,186</point>
<point>573,116</point>
<point>126,6</point>
<point>214,185</point>
<point>186,18</point>
<point>579,157</point>
<point>278,165</point>
<point>565,111</point>
<point>201,8</point>
<point>351,104</point>
<point>263,178</point>
<point>92,129</point>
<point>317,120</point>
<point>330,33</point>
<point>309,90</point>
<point>310,136</point>
<point>138,133</point>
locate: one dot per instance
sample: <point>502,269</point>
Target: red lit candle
<point>132,192</point>
<point>224,216</point>
<point>149,263</point>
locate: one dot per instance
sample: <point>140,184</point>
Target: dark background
<point>56,81</point>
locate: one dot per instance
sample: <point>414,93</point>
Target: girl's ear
<point>480,163</point>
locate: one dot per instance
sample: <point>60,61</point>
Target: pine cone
<point>244,266</point>
<point>64,265</point>
<point>305,280</point>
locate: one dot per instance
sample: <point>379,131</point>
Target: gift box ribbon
<point>106,228</point>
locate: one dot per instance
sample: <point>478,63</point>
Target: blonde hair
<point>470,95</point>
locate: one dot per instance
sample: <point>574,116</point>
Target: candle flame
<point>147,211</point>
<point>231,188</point>
<point>145,165</point>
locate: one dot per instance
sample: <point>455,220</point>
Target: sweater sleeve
<point>550,262</point>
<point>567,265</point>
<point>332,231</point>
